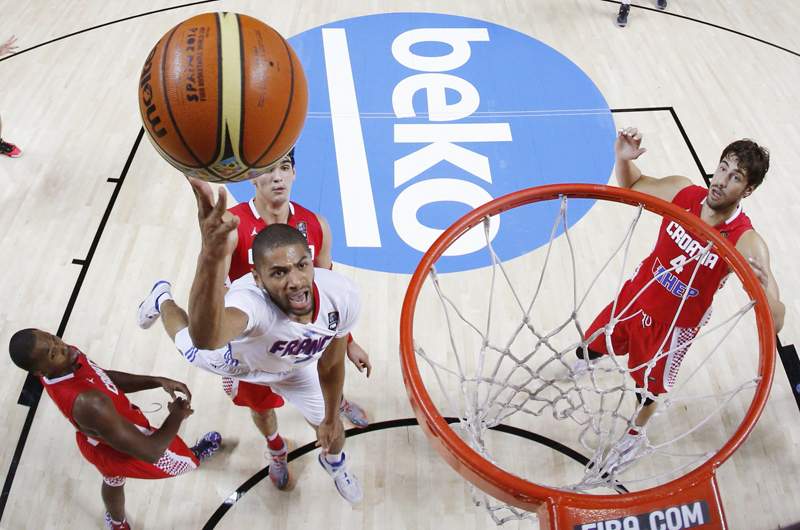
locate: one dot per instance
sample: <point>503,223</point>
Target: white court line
<point>358,205</point>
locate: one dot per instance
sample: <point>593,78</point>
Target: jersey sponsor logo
<point>333,320</point>
<point>671,282</point>
<point>690,246</point>
<point>255,232</point>
<point>109,384</point>
<point>461,112</point>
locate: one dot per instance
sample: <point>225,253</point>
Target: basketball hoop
<point>563,508</point>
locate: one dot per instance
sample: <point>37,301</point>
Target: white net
<point>508,359</point>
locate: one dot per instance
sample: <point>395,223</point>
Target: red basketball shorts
<point>256,397</point>
<point>641,338</point>
<point>115,465</point>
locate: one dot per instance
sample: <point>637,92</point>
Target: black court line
<point>706,176</point>
<point>234,497</point>
<point>106,24</point>
<point>32,388</point>
<point>716,26</point>
<point>791,364</point>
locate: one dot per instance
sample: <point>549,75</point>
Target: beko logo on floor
<point>415,119</point>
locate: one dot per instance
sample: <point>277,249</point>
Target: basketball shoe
<point>9,149</point>
<point>149,310</point>
<point>113,525</point>
<point>346,483</point>
<point>279,472</point>
<point>579,367</point>
<point>662,4</point>
<point>623,453</point>
<point>622,17</point>
<point>354,414</point>
<point>207,446</point>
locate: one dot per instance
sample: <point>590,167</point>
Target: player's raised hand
<point>182,407</point>
<point>217,229</point>
<point>171,387</point>
<point>627,145</point>
<point>8,46</point>
<point>327,433</point>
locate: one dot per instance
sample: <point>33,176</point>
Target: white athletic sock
<point>161,298</point>
<point>334,458</point>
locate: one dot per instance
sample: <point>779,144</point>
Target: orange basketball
<point>223,97</point>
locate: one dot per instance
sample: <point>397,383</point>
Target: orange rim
<point>514,490</point>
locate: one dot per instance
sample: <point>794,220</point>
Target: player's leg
<point>597,348</point>
<point>113,493</point>
<point>174,318</point>
<point>622,16</point>
<point>655,376</point>
<point>303,390</point>
<point>262,402</point>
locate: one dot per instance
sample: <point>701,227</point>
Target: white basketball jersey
<point>272,342</point>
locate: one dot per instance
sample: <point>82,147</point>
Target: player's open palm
<point>217,229</point>
<point>628,144</point>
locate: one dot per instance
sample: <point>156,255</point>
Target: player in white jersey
<point>285,325</point>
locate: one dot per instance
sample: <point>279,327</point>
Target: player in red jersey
<point>112,433</point>
<point>648,324</point>
<point>271,205</point>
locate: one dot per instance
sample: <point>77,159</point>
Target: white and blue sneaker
<point>149,310</point>
<point>346,483</point>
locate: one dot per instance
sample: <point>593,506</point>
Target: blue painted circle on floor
<point>423,117</point>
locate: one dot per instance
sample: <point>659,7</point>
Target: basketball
<point>223,97</point>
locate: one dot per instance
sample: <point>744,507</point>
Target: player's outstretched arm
<point>331,378</point>
<point>628,148</point>
<point>754,249</point>
<point>130,383</point>
<point>211,324</point>
<point>96,416</point>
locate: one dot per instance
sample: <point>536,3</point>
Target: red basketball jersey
<point>64,390</point>
<point>251,223</point>
<point>675,246</point>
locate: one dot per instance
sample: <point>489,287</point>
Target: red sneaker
<point>113,525</point>
<point>9,149</point>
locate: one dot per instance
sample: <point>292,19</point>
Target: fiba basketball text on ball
<point>223,97</point>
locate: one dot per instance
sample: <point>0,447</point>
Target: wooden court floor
<point>79,249</point>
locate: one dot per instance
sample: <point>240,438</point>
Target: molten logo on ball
<point>223,97</point>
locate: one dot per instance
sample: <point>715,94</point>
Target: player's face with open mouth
<point>287,274</point>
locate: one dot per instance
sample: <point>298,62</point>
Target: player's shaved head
<point>21,346</point>
<point>276,236</point>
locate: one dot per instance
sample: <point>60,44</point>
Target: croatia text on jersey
<point>690,246</point>
<point>103,377</point>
